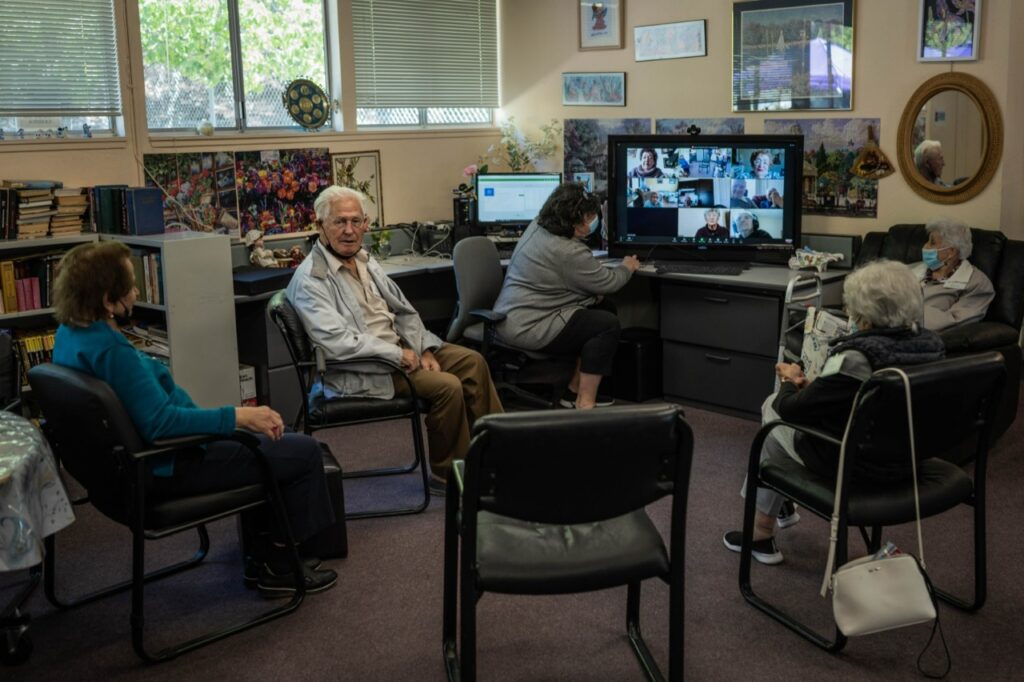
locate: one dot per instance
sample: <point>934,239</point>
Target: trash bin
<point>636,376</point>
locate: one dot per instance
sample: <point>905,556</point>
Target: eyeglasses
<point>341,222</point>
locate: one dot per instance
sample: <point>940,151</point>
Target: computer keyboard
<point>686,267</point>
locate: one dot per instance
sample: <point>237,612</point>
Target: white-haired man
<point>955,292</point>
<point>352,310</point>
<point>930,161</point>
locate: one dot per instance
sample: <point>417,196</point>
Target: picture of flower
<point>197,196</point>
<point>276,189</point>
<point>361,171</point>
<point>949,30</point>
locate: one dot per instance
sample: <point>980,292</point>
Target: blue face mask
<point>595,224</point>
<point>931,258</point>
<point>853,329</point>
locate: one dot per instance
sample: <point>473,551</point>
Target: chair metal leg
<point>467,613</point>
<point>980,568</point>
<point>50,573</point>
<point>450,599</point>
<point>636,638</point>
<point>419,460</point>
<point>746,557</point>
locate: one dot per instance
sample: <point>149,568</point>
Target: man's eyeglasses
<point>341,223</point>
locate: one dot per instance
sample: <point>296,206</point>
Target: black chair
<point>96,442</point>
<point>1002,260</point>
<point>478,279</point>
<point>321,413</point>
<point>530,479</point>
<point>953,400</point>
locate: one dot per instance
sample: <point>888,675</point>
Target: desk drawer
<point>721,319</point>
<point>734,380</point>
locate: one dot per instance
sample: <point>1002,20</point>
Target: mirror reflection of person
<point>711,229</point>
<point>929,161</point>
<point>955,292</point>
<point>739,198</point>
<point>748,228</point>
<point>648,167</point>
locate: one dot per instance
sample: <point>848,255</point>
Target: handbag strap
<point>834,525</point>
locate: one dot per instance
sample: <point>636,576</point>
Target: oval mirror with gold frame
<point>950,138</point>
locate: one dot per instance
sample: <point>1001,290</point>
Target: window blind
<point>425,53</point>
<point>58,58</point>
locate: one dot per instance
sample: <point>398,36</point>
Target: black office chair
<point>322,413</point>
<point>532,479</point>
<point>953,400</point>
<point>95,440</point>
<point>478,279</point>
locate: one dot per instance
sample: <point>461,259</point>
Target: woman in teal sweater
<point>94,291</point>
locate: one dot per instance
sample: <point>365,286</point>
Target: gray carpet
<point>383,620</point>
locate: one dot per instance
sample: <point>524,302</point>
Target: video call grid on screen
<point>513,198</point>
<point>743,186</point>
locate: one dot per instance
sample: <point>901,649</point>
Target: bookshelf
<point>198,308</point>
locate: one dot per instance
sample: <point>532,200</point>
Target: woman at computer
<point>94,294</point>
<point>553,295</point>
<point>712,229</point>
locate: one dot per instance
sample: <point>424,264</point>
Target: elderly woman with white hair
<point>955,292</point>
<point>884,301</point>
<point>930,161</point>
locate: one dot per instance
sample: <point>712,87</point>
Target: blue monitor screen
<point>512,198</point>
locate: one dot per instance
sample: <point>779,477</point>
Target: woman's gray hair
<point>884,293</point>
<point>924,151</point>
<point>953,233</point>
<point>322,205</point>
<point>713,209</point>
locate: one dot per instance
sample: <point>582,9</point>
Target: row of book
<point>26,282</point>
<point>34,347</point>
<point>30,209</point>
<point>148,266</point>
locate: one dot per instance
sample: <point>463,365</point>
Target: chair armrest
<point>488,316</point>
<point>458,476</point>
<point>322,364</point>
<point>168,445</point>
<point>814,433</point>
<point>978,336</point>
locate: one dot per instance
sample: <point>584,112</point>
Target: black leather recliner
<point>1002,260</point>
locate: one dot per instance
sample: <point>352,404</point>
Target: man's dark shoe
<point>272,585</point>
<point>765,551</point>
<point>251,572</point>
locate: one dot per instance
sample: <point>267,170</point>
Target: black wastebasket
<point>637,371</point>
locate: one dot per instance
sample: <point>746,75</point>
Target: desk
<point>720,334</point>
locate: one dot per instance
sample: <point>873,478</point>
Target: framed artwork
<point>948,31</point>
<point>585,179</point>
<point>601,24</point>
<point>361,171</point>
<point>792,55</point>
<point>594,89</point>
<point>670,41</point>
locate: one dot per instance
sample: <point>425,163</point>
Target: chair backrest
<point>568,467</point>
<point>478,279</point>
<point>287,319</point>
<point>85,423</point>
<point>953,400</point>
<point>1001,259</point>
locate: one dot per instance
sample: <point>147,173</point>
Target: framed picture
<point>670,41</point>
<point>601,24</point>
<point>948,31</point>
<point>792,55</point>
<point>361,171</point>
<point>594,89</point>
<point>585,179</point>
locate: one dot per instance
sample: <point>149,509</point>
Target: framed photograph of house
<point>601,24</point>
<point>948,31</point>
<point>361,171</point>
<point>594,89</point>
<point>670,41</point>
<point>792,55</point>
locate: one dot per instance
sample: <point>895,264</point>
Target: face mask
<point>595,224</point>
<point>931,259</point>
<point>853,329</point>
<point>327,245</point>
<point>124,318</point>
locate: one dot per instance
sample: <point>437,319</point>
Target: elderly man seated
<point>955,292</point>
<point>352,310</point>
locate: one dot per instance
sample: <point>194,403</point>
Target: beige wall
<point>539,42</point>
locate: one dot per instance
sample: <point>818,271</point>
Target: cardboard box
<point>247,385</point>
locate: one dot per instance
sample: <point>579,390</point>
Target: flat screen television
<point>510,201</point>
<point>705,197</point>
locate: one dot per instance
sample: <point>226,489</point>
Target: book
<point>109,208</point>
<point>32,184</point>
<point>145,209</point>
<point>8,286</point>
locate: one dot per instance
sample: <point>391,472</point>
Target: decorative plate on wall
<point>307,103</point>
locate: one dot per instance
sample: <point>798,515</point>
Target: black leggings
<point>592,334</point>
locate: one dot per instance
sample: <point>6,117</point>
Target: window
<point>48,83</point>
<point>228,61</point>
<point>425,63</point>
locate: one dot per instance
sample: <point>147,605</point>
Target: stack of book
<point>70,204</point>
<point>28,208</point>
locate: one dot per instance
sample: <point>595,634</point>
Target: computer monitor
<point>511,200</point>
<point>704,197</point>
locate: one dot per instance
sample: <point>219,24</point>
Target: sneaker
<point>569,400</point>
<point>788,515</point>
<point>764,551</point>
<point>251,571</point>
<point>272,585</point>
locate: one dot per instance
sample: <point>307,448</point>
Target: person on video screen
<point>648,167</point>
<point>652,200</point>
<point>770,200</point>
<point>711,229</point>
<point>746,227</point>
<point>739,198</point>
